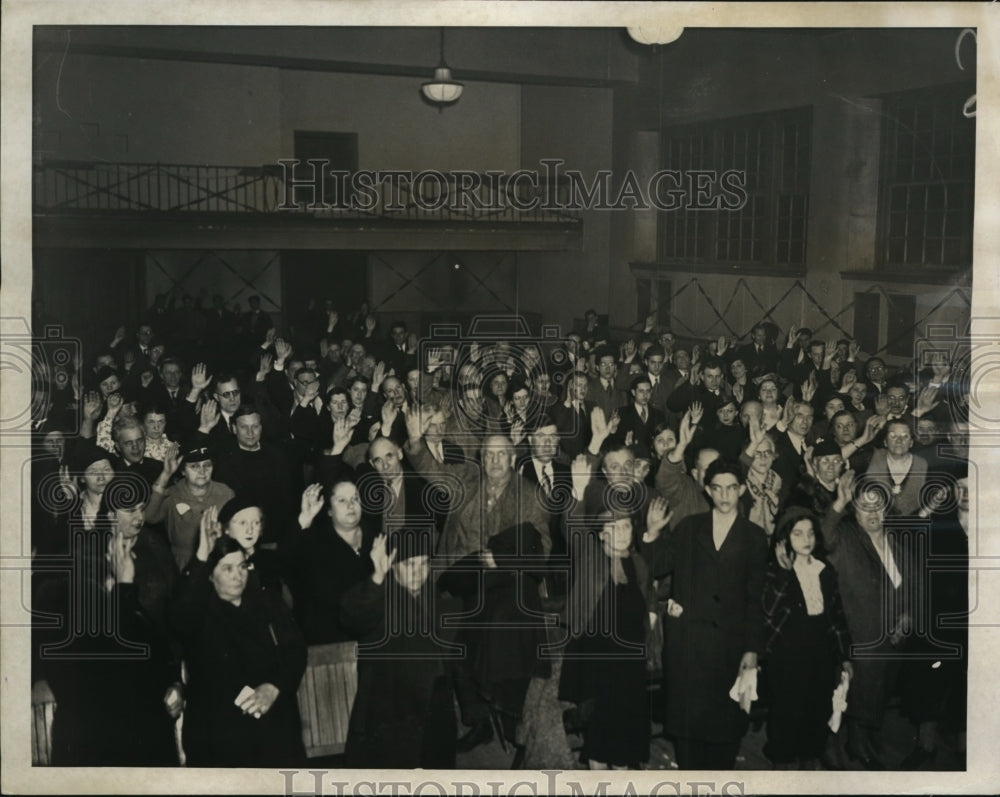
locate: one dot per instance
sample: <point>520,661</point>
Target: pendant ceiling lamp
<point>442,90</point>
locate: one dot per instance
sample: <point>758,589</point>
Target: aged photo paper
<point>563,91</point>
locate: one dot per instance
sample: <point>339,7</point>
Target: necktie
<point>438,452</point>
<point>546,480</point>
<point>643,414</point>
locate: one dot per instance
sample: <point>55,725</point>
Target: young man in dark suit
<point>639,417</point>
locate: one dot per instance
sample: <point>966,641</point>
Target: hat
<point>86,455</point>
<point>826,448</point>
<point>195,453</point>
<point>234,506</point>
<point>409,542</point>
<point>516,541</point>
<point>104,372</point>
<point>640,451</point>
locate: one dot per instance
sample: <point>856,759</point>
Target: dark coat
<point>228,647</point>
<point>109,687</point>
<point>783,595</point>
<point>322,569</point>
<point>720,592</point>
<point>403,715</point>
<point>266,476</point>
<point>872,606</point>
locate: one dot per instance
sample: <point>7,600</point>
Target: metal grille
<point>928,180</point>
<point>772,152</point>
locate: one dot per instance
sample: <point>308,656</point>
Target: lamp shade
<point>442,88</point>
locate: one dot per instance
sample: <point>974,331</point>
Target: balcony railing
<point>75,188</point>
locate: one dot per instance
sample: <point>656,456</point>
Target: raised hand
<point>209,416</point>
<point>416,426</point>
<point>269,337</point>
<point>378,376</point>
<point>793,332</point>
<point>849,378</point>
<point>788,413</point>
<point>343,431</point>
<point>119,337</point>
<point>517,432</point>
<point>580,473</point>
<point>809,387</point>
<point>695,355</point>
<point>721,345</point>
<point>757,432</point>
<point>332,317</point>
<point>650,322</point>
<point>695,413</point>
<point>266,362</point>
<point>926,401</point>
<point>695,378</point>
<point>613,423</point>
<point>738,393</point>
<point>381,560</point>
<point>312,503</point>
<point>853,349</point>
<point>200,377</point>
<point>657,517</point>
<point>66,482</point>
<point>120,558</point>
<point>171,460</point>
<point>92,406</point>
<point>282,349</point>
<point>598,423</point>
<point>845,488</point>
<point>209,532</point>
<point>370,324</point>
<point>389,413</point>
<point>629,348</point>
<point>882,406</point>
<point>872,427</point>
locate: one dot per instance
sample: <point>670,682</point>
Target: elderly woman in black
<point>872,569</point>
<point>808,645</point>
<point>245,659</point>
<point>608,613</point>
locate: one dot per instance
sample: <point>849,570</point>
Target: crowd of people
<point>754,522</point>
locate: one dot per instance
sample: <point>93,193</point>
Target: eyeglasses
<point>229,394</point>
<point>764,453</point>
<point>307,382</point>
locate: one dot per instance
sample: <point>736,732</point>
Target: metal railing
<point>75,187</point>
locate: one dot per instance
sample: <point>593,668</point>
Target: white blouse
<point>807,572</point>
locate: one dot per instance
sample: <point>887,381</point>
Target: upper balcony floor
<point>283,206</point>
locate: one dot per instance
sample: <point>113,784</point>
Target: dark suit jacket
<point>722,618</point>
<point>631,422</point>
<point>574,427</point>
<point>759,363</point>
<point>607,400</point>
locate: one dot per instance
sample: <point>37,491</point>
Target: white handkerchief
<point>839,702</point>
<point>744,689</point>
<point>183,509</point>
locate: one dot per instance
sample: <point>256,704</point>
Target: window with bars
<point>928,179</point>
<point>771,151</point>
